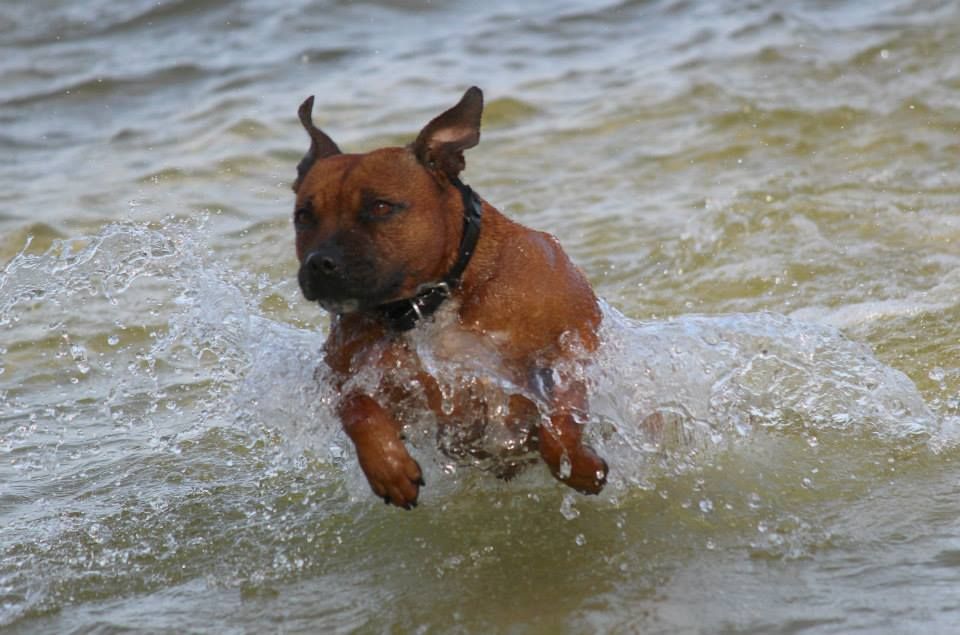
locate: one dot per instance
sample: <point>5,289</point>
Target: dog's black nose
<point>321,263</point>
<point>320,274</point>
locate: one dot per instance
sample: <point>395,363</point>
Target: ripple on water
<point>197,394</point>
<point>729,374</point>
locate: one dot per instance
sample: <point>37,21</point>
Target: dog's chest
<point>477,400</point>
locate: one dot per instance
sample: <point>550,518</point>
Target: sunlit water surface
<point>765,194</point>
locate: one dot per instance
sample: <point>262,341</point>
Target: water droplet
<point>840,418</point>
<point>446,396</point>
<point>937,374</point>
<point>807,482</point>
<point>113,340</point>
<point>706,505</point>
<point>565,467</point>
<point>580,540</point>
<point>567,508</point>
<point>98,533</point>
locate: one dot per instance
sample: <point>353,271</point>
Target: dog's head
<point>371,228</point>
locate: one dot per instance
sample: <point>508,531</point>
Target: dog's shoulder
<point>535,296</point>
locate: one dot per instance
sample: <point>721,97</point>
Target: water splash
<point>146,326</point>
<point>140,367</point>
<point>673,392</point>
<point>198,345</point>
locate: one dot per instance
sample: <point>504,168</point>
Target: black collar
<point>403,315</point>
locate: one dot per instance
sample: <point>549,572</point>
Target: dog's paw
<point>588,472</point>
<point>571,462</point>
<point>392,473</point>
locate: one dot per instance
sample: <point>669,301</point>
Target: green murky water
<point>767,191</point>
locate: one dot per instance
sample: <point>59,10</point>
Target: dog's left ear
<point>321,145</point>
<point>441,143</point>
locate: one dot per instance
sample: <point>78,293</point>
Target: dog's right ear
<point>441,143</point>
<point>321,146</point>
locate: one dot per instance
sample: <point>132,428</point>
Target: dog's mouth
<point>340,307</point>
<point>348,294</point>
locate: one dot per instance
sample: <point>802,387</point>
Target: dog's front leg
<point>392,473</point>
<point>561,440</point>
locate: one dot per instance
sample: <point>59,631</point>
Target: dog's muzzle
<point>321,277</point>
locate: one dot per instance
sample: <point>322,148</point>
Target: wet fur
<point>371,228</point>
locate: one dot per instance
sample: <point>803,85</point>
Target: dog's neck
<point>403,315</point>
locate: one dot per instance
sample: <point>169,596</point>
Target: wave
<point>663,391</point>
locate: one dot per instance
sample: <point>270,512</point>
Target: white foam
<point>673,391</point>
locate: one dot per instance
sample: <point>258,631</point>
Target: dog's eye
<point>302,218</point>
<point>382,208</point>
<point>379,209</point>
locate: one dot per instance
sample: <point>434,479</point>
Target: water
<point>764,193</point>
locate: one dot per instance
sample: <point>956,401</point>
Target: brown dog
<point>387,239</point>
